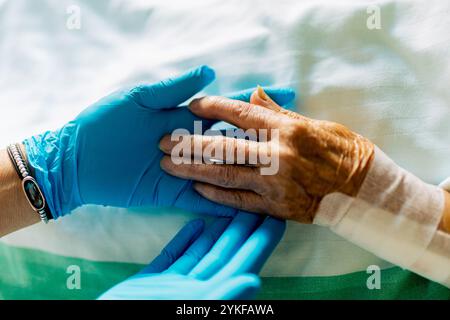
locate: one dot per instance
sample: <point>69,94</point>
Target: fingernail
<point>160,145</point>
<point>193,103</point>
<point>262,94</point>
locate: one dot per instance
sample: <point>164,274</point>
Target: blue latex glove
<point>109,154</point>
<point>195,265</point>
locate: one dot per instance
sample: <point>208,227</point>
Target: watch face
<point>33,193</point>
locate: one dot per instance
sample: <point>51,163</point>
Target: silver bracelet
<point>30,187</point>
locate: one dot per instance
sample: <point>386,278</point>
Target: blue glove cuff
<point>54,168</point>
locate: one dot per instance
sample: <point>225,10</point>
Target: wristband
<point>30,187</point>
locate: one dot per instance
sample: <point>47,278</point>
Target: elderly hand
<point>315,158</point>
<point>109,154</point>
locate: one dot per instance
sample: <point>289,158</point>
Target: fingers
<point>243,287</point>
<point>227,149</point>
<point>175,247</point>
<point>175,192</point>
<point>238,113</point>
<point>240,199</point>
<point>228,244</point>
<point>281,96</point>
<point>235,177</point>
<point>261,98</point>
<point>253,254</point>
<point>173,91</point>
<point>182,117</point>
<point>199,248</point>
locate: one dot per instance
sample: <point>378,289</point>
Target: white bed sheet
<point>389,84</point>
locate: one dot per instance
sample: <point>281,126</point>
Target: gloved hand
<point>109,154</point>
<point>195,265</point>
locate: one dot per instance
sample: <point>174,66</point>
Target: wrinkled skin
<point>108,155</point>
<point>316,158</point>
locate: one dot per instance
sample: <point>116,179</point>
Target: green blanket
<point>34,274</point>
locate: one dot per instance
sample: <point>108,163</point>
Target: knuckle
<point>215,193</point>
<point>288,156</point>
<point>241,110</point>
<point>259,185</point>
<point>239,199</point>
<point>296,129</point>
<point>227,178</point>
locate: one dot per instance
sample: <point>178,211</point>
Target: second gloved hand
<point>221,262</point>
<point>109,154</point>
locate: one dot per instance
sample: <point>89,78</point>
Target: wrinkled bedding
<point>389,84</point>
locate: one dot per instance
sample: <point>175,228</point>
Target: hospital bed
<point>390,84</point>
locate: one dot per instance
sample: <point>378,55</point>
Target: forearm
<point>15,213</point>
<point>326,174</point>
<point>396,216</point>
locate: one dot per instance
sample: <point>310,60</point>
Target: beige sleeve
<point>395,216</point>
